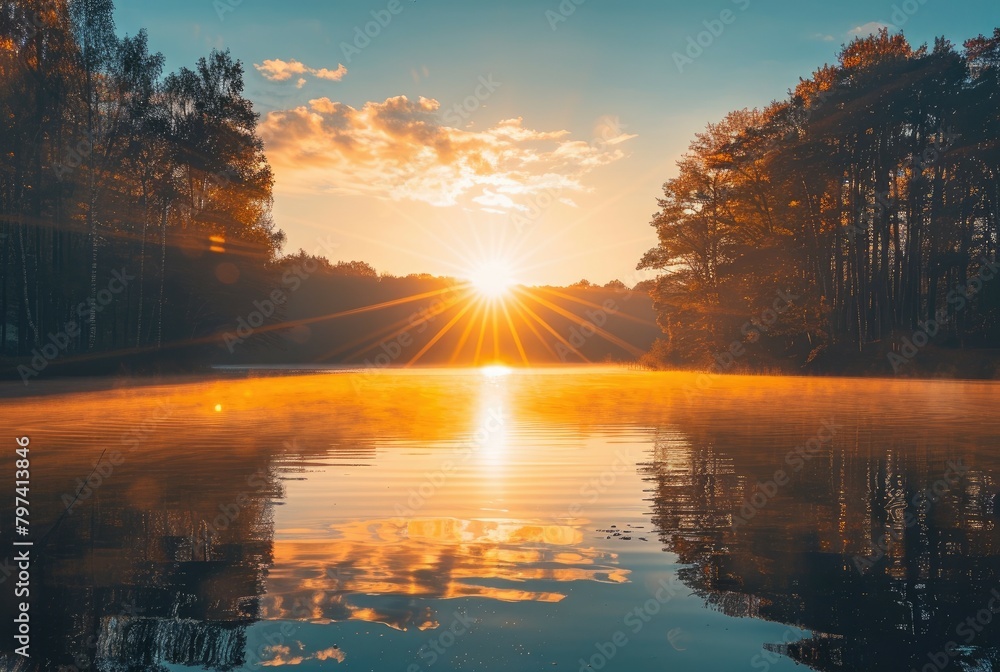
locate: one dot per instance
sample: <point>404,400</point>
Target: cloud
<point>282,655</point>
<point>493,201</point>
<point>277,70</point>
<point>401,149</point>
<point>332,653</point>
<point>332,75</point>
<point>823,37</point>
<point>870,28</point>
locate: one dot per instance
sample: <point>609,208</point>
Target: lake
<point>496,519</point>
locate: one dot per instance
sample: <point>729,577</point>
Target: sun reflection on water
<point>496,371</point>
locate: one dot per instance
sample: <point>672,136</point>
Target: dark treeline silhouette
<point>870,198</point>
<point>136,230</point>
<point>133,206</point>
<point>348,313</point>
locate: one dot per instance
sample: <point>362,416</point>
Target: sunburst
<point>492,280</point>
<point>489,317</point>
<point>486,317</point>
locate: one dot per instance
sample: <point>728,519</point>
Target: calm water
<point>483,520</point>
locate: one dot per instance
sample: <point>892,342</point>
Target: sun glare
<point>493,279</point>
<point>495,371</point>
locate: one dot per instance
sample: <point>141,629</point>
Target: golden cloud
<point>277,70</point>
<point>402,149</point>
<point>282,655</point>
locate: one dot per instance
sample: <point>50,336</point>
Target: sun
<point>492,280</point>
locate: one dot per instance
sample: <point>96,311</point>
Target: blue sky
<point>607,64</point>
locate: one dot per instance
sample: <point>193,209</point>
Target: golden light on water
<point>496,371</point>
<point>499,488</point>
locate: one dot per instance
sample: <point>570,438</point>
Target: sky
<point>530,134</point>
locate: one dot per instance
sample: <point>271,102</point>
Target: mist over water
<point>497,519</point>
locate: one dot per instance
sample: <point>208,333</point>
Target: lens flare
<point>492,280</point>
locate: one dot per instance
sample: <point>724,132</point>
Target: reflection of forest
<point>130,582</point>
<point>794,560</point>
<point>166,561</point>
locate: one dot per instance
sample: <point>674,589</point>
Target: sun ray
<point>552,331</point>
<point>391,331</point>
<point>515,304</point>
<point>431,235</point>
<point>513,332</point>
<point>354,348</point>
<point>591,304</point>
<point>477,358</point>
<point>357,311</point>
<point>591,213</point>
<point>404,215</point>
<point>438,336</point>
<point>278,326</point>
<point>480,305</point>
<point>394,330</point>
<point>611,338</point>
<point>496,332</point>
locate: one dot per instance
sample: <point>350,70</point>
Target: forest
<point>131,201</point>
<point>871,195</point>
<point>850,228</point>
<point>136,232</point>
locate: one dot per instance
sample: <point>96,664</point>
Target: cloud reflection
<point>386,571</point>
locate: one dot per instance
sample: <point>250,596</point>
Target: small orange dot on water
<point>218,408</point>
